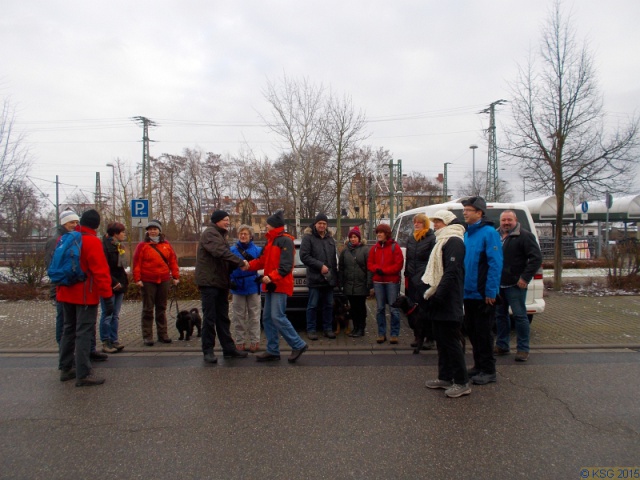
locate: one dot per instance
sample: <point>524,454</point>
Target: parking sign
<point>140,208</point>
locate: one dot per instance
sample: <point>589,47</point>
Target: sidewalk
<point>569,322</point>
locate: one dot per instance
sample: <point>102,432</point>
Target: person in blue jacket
<point>483,269</point>
<point>245,305</point>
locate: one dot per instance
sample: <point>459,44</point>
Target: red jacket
<point>149,266</point>
<point>94,265</point>
<point>387,257</point>
<point>277,260</point>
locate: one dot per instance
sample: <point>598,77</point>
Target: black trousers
<point>215,319</point>
<point>479,319</point>
<point>451,364</point>
<point>358,311</point>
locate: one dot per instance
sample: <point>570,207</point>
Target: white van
<point>403,228</point>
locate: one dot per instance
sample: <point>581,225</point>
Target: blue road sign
<point>140,208</point>
<point>585,207</point>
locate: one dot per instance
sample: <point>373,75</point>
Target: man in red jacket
<point>80,306</point>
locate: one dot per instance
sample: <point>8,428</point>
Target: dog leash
<point>174,297</point>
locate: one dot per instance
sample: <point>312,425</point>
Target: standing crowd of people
<point>463,278</point>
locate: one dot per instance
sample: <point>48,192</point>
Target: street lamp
<point>444,182</point>
<point>113,187</point>
<point>473,182</point>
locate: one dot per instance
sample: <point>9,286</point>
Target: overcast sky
<point>77,71</point>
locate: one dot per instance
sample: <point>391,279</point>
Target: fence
<point>580,248</point>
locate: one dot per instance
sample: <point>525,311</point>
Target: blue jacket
<point>245,281</point>
<point>482,261</point>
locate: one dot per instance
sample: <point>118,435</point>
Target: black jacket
<point>447,303</point>
<point>214,259</point>
<point>118,274</point>
<point>316,251</point>
<point>521,257</point>
<point>355,278</point>
<point>416,260</point>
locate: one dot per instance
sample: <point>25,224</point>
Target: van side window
<point>405,229</point>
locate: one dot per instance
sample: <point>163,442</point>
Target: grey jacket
<point>214,259</point>
<point>316,251</point>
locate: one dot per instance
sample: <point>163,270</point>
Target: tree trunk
<point>557,251</point>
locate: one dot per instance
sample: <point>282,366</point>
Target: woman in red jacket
<point>154,265</point>
<point>385,262</point>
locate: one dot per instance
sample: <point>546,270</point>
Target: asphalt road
<point>330,416</point>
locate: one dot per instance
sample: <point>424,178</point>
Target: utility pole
<point>98,194</point>
<point>444,183</point>
<point>492,162</point>
<point>146,159</point>
<point>57,201</point>
<point>372,208</point>
<point>395,189</point>
<point>473,169</point>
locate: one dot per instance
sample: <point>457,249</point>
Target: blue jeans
<point>275,321</point>
<point>516,298</point>
<point>109,325</point>
<point>323,296</point>
<point>386,294</point>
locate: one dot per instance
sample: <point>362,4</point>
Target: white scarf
<point>434,271</point>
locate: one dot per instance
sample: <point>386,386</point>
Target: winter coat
<point>94,264</point>
<point>277,261</point>
<point>245,281</point>
<point>118,273</point>
<point>521,256</point>
<point>316,251</point>
<point>214,259</point>
<point>482,261</point>
<point>355,279</point>
<point>417,257</point>
<point>446,304</point>
<point>149,266</point>
<point>386,256</point>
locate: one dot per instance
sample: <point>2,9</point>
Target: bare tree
<point>296,109</point>
<point>559,137</point>
<point>19,210</point>
<point>480,187</point>
<point>14,155</point>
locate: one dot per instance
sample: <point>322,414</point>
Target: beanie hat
<point>90,219</point>
<point>154,223</point>
<point>68,216</point>
<point>218,215</point>
<point>476,202</point>
<point>355,231</point>
<point>276,220</point>
<point>383,227</point>
<point>445,215</point>
<point>321,217</point>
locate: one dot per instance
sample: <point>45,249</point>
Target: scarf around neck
<point>434,271</point>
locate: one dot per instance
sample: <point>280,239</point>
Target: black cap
<point>321,217</point>
<point>476,202</point>
<point>90,219</point>
<point>218,215</point>
<point>276,220</point>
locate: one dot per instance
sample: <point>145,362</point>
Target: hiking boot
<point>295,354</point>
<point>457,390</point>
<point>522,356</point>
<point>209,357</point>
<point>357,333</point>
<point>148,342</point>
<point>98,357</point>
<point>500,351</point>
<point>438,384</point>
<point>484,378</point>
<point>312,335</point>
<point>267,357</point>
<point>164,340</point>
<point>381,339</point>
<point>235,354</point>
<point>107,347</point>
<point>393,340</point>
<point>66,375</point>
<point>329,334</point>
<point>89,381</point>
<point>117,346</point>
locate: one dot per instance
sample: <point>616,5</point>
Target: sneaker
<point>267,357</point>
<point>438,384</point>
<point>312,335</point>
<point>66,375</point>
<point>457,390</point>
<point>381,339</point>
<point>484,378</point>
<point>500,351</point>
<point>98,357</point>
<point>209,357</point>
<point>89,381</point>
<point>107,347</point>
<point>117,346</point>
<point>148,342</point>
<point>522,356</point>
<point>329,334</point>
<point>393,340</point>
<point>295,354</point>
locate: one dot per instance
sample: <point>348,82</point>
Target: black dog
<point>186,321</point>
<point>341,314</point>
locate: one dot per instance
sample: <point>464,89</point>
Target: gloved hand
<point>379,271</point>
<point>108,307</point>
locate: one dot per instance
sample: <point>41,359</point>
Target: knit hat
<point>383,227</point>
<point>321,217</point>
<point>355,231</point>
<point>90,219</point>
<point>68,216</point>
<point>276,220</point>
<point>476,202</point>
<point>445,215</point>
<point>154,223</point>
<point>218,215</point>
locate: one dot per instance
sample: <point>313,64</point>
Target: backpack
<point>64,268</point>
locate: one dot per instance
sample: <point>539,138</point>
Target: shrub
<point>29,269</point>
<point>623,262</point>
